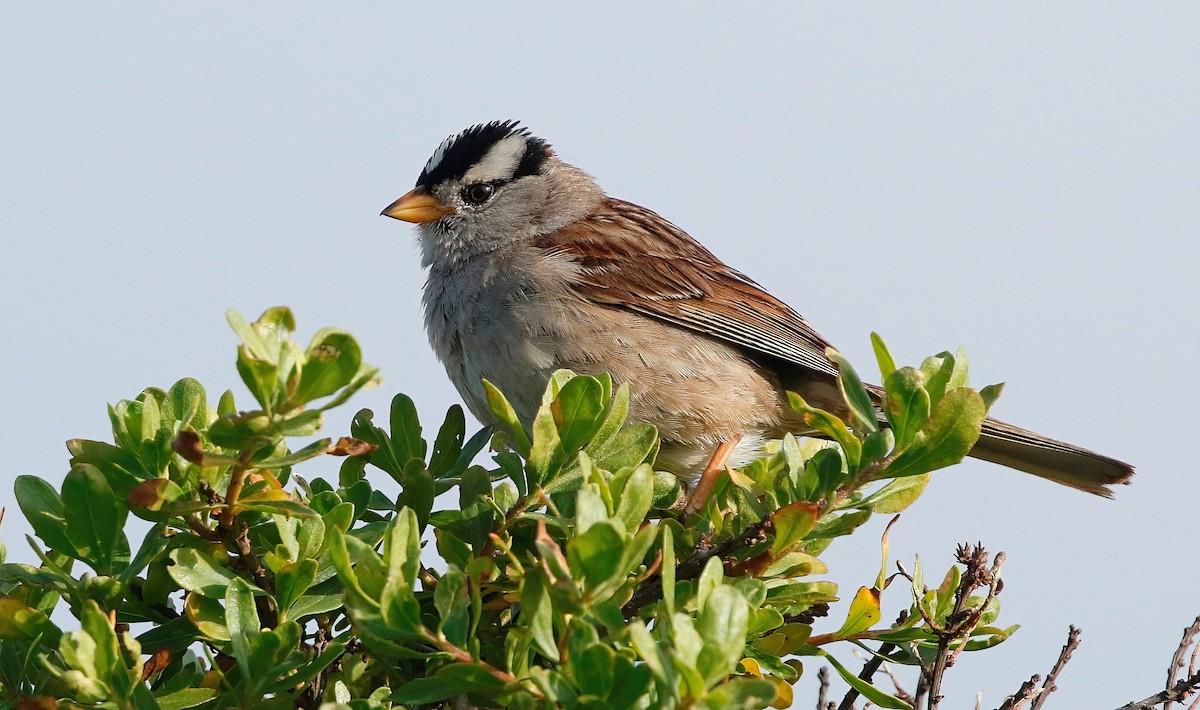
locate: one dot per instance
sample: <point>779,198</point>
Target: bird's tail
<point>1057,461</point>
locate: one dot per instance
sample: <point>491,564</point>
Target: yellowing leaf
<point>864,612</point>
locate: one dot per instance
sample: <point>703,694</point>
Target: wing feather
<point>631,258</point>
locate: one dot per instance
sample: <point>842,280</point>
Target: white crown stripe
<point>436,158</point>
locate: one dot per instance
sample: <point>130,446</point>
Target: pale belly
<point>697,391</point>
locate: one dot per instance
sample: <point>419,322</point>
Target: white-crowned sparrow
<point>533,268</point>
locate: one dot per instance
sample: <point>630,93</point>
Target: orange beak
<point>417,206</point>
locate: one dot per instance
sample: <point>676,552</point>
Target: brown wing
<point>632,258</point>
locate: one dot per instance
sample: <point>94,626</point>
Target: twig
<point>237,479</point>
<point>1018,699</point>
<point>1063,657</point>
<point>823,677</point>
<point>869,668</point>
<point>962,620</point>
<point>1179,691</point>
<point>1189,637</point>
<point>463,656</point>
<point>310,697</point>
<point>900,691</point>
<point>922,689</point>
<point>651,589</point>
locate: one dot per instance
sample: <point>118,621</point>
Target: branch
<point>868,671</point>
<point>962,620</point>
<point>1063,657</point>
<point>1027,690</point>
<point>823,677</point>
<point>1189,637</point>
<point>1179,691</point>
<point>651,590</point>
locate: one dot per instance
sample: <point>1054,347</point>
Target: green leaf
<point>313,450</point>
<point>795,564</point>
<point>419,492</point>
<point>991,393</point>
<point>94,518</point>
<point>207,615</point>
<point>597,672</point>
<point>241,618</point>
<point>174,635</point>
<point>472,448</point>
<point>506,416</point>
<point>546,453</point>
<point>636,497</point>
<point>448,444</point>
<point>537,612</point>
<point>185,698</point>
<point>261,378</point>
<point>792,523</point>
<point>862,410</point>
<point>653,654</point>
<point>887,365</point>
<point>105,651</point>
<point>946,438</point>
<point>897,495</point>
<point>668,568</point>
<point>402,548</point>
<point>159,499</point>
<point>197,572</point>
<point>406,430</point>
<point>906,404</point>
<point>452,601</point>
<point>831,426</point>
<point>937,370</point>
<point>292,581</point>
<point>290,508</point>
<point>153,545</point>
<point>185,403</point>
<point>122,469</point>
<point>741,694</point>
<point>614,418</point>
<point>45,512</point>
<point>596,554</point>
<point>635,682</point>
<point>867,690</point>
<point>449,681</point>
<point>627,448</point>
<point>833,525</point>
<point>578,412</point>
<point>331,361</point>
<point>722,624</point>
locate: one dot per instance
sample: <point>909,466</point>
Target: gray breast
<point>495,317</point>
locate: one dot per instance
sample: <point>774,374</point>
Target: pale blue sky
<point>1017,179</point>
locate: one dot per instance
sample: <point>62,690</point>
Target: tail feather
<point>1057,461</point>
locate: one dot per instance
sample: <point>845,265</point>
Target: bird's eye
<point>478,193</point>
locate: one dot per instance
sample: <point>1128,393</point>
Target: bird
<point>533,268</point>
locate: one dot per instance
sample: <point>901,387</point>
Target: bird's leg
<point>708,479</point>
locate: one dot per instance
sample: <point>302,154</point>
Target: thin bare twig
<point>922,689</point>
<point>1179,691</point>
<point>823,693</point>
<point>1189,637</point>
<point>651,589</point>
<point>1018,699</point>
<point>1063,657</point>
<point>900,691</point>
<point>960,622</point>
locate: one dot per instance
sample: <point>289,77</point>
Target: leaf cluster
<point>561,573</point>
